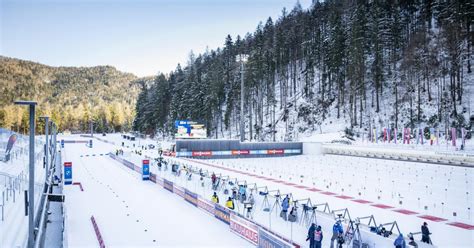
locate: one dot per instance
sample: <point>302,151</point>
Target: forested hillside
<point>72,96</point>
<point>354,63</point>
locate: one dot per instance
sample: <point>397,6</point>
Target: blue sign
<point>67,173</point>
<point>146,170</point>
<point>90,143</point>
<point>62,143</point>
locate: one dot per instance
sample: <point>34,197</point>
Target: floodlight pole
<point>31,195</point>
<point>242,129</point>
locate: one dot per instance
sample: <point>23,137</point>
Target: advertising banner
<point>168,185</point>
<point>67,173</point>
<point>222,213</point>
<point>127,163</point>
<point>240,152</point>
<point>244,228</point>
<point>206,205</point>
<point>178,190</point>
<point>269,240</point>
<point>201,153</point>
<point>152,177</point>
<point>191,197</point>
<point>62,143</point>
<point>146,169</point>
<point>159,181</point>
<point>275,151</point>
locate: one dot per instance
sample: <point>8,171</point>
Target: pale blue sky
<point>142,36</point>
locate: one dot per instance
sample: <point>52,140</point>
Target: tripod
<point>276,204</point>
<point>265,203</point>
<point>308,218</point>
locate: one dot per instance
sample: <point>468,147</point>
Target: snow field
<point>449,236</point>
<point>13,182</point>
<point>131,212</point>
<point>444,235</point>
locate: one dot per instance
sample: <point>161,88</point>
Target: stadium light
<point>242,59</point>
<point>31,189</point>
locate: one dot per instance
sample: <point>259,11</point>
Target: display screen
<point>190,130</point>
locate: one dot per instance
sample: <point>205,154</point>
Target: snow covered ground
<point>13,182</point>
<point>336,180</point>
<point>130,212</point>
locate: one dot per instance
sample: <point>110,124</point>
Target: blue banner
<point>62,143</point>
<point>168,185</point>
<point>67,173</point>
<point>90,143</point>
<point>191,197</point>
<point>146,170</point>
<point>222,213</point>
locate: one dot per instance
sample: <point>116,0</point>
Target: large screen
<point>190,130</point>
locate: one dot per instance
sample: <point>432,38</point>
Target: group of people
<point>315,236</point>
<point>315,233</point>
<point>285,205</point>
<point>240,195</point>
<point>425,238</point>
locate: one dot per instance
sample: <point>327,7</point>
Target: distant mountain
<point>70,95</point>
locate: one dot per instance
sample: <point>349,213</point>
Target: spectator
<point>310,236</point>
<point>215,198</point>
<point>399,242</point>
<point>284,207</point>
<point>425,234</point>
<point>230,203</point>
<point>337,232</point>
<point>318,237</point>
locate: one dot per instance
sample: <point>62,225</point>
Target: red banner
<point>240,152</point>
<point>276,151</point>
<point>202,153</point>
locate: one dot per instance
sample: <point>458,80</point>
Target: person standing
<point>230,204</point>
<point>318,237</point>
<point>284,207</point>
<point>215,198</point>
<point>337,231</point>
<point>213,179</point>
<point>310,236</point>
<point>425,233</point>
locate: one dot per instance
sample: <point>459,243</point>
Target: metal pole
<point>92,131</point>
<point>46,132</point>
<point>31,189</point>
<point>31,194</point>
<point>242,120</point>
<point>55,137</point>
